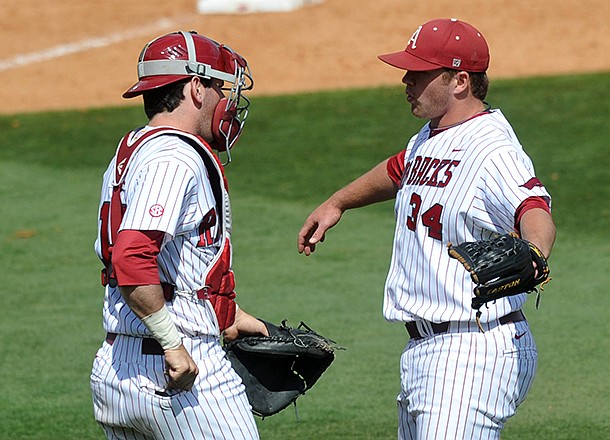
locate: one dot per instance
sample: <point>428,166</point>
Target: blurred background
<point>67,54</point>
<point>324,111</point>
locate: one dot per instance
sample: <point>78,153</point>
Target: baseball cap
<point>442,43</point>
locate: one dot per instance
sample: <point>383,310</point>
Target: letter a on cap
<point>414,37</point>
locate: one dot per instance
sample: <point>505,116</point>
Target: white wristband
<point>163,329</point>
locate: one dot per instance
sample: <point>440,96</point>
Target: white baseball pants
<point>130,400</point>
<point>465,384</point>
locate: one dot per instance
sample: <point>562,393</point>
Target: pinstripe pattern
<point>125,381</point>
<point>167,189</point>
<point>478,197</point>
<point>463,184</point>
<point>168,172</point>
<point>465,385</point>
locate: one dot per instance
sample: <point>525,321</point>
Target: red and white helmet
<point>180,55</point>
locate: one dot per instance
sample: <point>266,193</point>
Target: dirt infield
<point>58,54</point>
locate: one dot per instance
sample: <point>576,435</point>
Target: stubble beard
<point>433,109</point>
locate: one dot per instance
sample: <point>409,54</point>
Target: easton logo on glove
<point>277,369</point>
<point>502,266</point>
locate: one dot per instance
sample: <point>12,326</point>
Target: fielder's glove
<point>279,368</point>
<point>502,266</point>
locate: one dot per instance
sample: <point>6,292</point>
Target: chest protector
<point>218,278</point>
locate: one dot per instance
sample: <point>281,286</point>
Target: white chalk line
<point>81,46</point>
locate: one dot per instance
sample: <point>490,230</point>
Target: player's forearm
<point>148,303</point>
<point>537,227</point>
<point>372,187</point>
<point>143,300</point>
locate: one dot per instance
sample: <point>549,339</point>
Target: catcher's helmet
<point>180,55</point>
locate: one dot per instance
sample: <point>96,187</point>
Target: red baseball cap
<point>442,43</point>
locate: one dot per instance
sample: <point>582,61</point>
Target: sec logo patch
<point>156,210</point>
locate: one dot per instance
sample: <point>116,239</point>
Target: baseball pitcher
<point>463,179</point>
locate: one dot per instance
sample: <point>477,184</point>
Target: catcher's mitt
<point>501,266</point>
<point>278,369</point>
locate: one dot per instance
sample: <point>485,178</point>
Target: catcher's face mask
<point>178,56</point>
<point>231,112</point>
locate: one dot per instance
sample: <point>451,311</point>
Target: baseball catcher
<point>501,266</point>
<point>277,369</point>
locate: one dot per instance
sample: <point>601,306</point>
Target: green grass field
<point>296,150</point>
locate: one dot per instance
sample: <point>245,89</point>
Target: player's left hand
<point>281,366</point>
<point>245,324</point>
<point>502,266</point>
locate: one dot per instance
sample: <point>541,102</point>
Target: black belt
<point>443,327</point>
<point>149,345</point>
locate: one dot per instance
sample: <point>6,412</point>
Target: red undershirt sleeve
<point>396,167</point>
<point>526,205</point>
<point>134,257</point>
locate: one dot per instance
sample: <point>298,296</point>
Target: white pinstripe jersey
<point>463,184</point>
<point>167,189</point>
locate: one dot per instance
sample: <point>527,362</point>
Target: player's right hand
<point>180,368</point>
<point>314,229</point>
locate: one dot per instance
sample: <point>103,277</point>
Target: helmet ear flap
<point>226,127</point>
